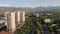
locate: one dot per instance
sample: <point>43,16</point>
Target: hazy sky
<point>29,3</point>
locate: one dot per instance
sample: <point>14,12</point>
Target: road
<point>45,29</point>
<point>54,30</point>
<point>33,28</point>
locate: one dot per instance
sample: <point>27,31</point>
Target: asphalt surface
<point>45,29</point>
<point>33,28</point>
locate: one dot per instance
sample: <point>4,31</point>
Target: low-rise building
<point>47,20</point>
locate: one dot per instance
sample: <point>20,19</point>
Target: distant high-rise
<point>11,27</point>
<point>22,18</point>
<point>17,18</point>
<point>5,13</point>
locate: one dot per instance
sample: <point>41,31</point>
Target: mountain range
<point>29,9</point>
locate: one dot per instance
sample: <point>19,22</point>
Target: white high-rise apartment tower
<point>17,18</point>
<point>22,18</point>
<point>11,27</point>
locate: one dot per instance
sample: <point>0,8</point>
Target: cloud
<point>10,5</point>
<point>27,6</point>
<point>5,5</point>
<point>30,6</point>
<point>53,4</point>
<point>46,5</point>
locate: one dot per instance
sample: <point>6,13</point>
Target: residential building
<point>22,18</point>
<point>47,20</point>
<point>5,13</point>
<point>11,27</point>
<point>17,18</point>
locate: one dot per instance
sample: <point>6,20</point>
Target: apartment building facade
<point>14,20</point>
